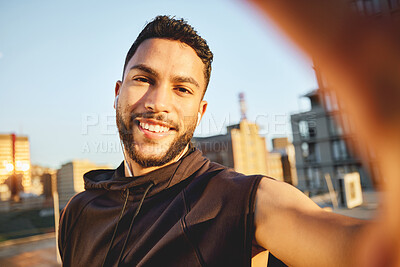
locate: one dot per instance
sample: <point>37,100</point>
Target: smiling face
<point>159,101</point>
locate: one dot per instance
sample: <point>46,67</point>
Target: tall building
<point>70,178</point>
<point>322,146</point>
<point>15,171</point>
<point>242,148</point>
<point>324,137</point>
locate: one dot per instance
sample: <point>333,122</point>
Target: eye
<point>183,90</point>
<point>142,79</point>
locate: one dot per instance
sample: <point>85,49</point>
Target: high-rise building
<point>15,171</point>
<point>324,136</point>
<point>242,148</point>
<point>70,178</point>
<point>323,146</point>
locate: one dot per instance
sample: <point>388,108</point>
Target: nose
<point>158,99</point>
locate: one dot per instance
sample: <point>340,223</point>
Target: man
<point>168,205</point>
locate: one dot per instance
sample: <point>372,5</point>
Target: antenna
<point>243,109</point>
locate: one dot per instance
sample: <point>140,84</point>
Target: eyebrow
<point>182,79</point>
<point>176,79</point>
<point>144,68</point>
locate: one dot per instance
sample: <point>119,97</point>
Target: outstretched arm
<point>360,57</point>
<point>298,232</point>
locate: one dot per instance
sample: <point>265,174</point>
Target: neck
<point>138,170</point>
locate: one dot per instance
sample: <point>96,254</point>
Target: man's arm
<point>300,233</point>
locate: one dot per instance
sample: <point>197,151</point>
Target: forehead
<point>168,57</point>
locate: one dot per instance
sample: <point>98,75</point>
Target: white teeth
<point>144,126</point>
<point>154,128</point>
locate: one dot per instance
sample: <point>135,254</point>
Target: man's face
<point>159,101</point>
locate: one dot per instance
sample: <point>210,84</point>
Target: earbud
<point>116,102</point>
<point>198,118</point>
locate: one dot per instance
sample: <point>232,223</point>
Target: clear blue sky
<point>59,61</point>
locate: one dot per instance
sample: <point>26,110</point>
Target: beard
<point>171,152</point>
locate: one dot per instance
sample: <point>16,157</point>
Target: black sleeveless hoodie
<point>191,213</point>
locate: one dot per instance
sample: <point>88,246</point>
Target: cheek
<point>129,105</point>
<point>132,96</point>
<point>189,119</point>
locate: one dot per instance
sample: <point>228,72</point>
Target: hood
<point>162,178</point>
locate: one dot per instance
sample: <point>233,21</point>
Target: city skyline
<point>59,63</point>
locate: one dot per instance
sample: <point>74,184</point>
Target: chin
<point>154,150</point>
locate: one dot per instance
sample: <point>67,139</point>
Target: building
<point>286,150</point>
<point>70,178</point>
<point>324,137</point>
<point>242,148</point>
<point>322,146</point>
<point>41,180</point>
<point>15,171</point>
<point>274,166</point>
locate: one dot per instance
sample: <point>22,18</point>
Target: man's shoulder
<point>79,201</point>
<point>228,173</point>
<point>225,180</point>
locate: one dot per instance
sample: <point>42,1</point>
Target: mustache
<point>155,116</point>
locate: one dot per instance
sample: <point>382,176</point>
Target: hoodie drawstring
<point>116,227</point>
<point>133,219</point>
<point>130,226</point>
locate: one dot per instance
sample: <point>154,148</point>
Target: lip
<point>155,122</point>
<point>154,135</point>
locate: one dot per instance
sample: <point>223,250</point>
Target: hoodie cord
<point>133,219</point>
<point>116,227</point>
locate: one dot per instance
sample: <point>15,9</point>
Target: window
<point>312,128</point>
<point>311,152</point>
<point>309,177</point>
<point>339,150</point>
<point>333,127</point>
<point>304,131</point>
<point>304,150</point>
<point>317,153</point>
<point>317,178</point>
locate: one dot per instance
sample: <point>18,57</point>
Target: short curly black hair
<point>167,27</point>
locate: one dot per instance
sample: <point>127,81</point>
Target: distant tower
<point>243,108</point>
<point>15,171</point>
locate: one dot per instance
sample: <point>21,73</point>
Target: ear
<point>118,85</point>
<point>202,108</point>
